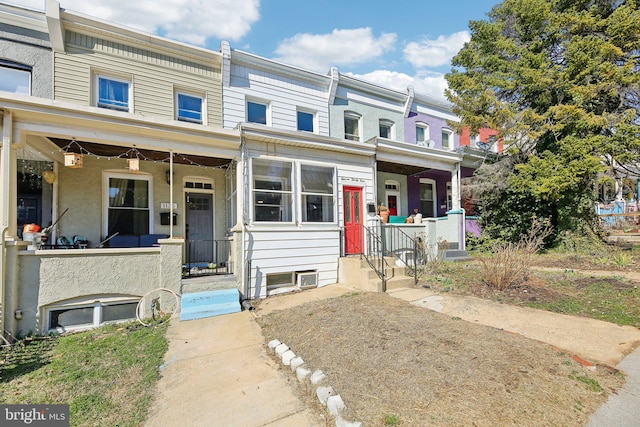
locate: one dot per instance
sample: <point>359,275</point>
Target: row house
<point>148,160</point>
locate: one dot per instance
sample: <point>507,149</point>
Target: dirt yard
<point>395,364</point>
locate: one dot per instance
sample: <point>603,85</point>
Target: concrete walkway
<point>217,371</point>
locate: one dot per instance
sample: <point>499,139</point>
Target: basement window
<point>90,315</point>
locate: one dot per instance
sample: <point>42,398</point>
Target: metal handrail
<point>402,246</point>
<point>374,255</point>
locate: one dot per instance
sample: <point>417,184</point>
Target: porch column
<point>455,188</point>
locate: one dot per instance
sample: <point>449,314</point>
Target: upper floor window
<point>473,141</point>
<point>422,134</point>
<point>385,128</point>
<point>189,107</point>
<point>305,121</point>
<point>447,139</point>
<point>113,93</point>
<point>351,126</point>
<point>15,77</point>
<point>257,112</point>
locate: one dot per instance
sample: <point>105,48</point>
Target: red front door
<point>352,220</point>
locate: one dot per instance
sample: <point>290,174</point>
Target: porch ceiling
<point>103,150</point>
<point>400,168</point>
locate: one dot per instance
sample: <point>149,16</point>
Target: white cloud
<point>340,47</point>
<point>435,53</point>
<point>185,20</point>
<point>425,83</point>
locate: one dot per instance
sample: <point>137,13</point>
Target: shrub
<point>509,263</point>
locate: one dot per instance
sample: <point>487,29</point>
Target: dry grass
<point>389,359</point>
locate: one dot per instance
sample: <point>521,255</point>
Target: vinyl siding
<point>286,247</point>
<point>154,76</point>
<point>283,94</point>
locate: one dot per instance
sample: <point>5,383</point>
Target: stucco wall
<point>371,114</point>
<point>49,277</point>
<point>81,190</point>
<point>30,48</point>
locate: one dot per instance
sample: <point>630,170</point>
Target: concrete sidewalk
<point>217,371</point>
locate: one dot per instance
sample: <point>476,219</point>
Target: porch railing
<point>206,257</point>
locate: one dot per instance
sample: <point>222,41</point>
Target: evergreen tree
<point>560,80</point>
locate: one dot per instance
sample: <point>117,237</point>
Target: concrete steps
<point>356,272</point>
<point>456,255</point>
<point>198,305</point>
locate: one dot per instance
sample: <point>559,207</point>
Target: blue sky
<point>395,44</point>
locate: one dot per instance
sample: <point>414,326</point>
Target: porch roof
<point>48,125</point>
<point>409,159</point>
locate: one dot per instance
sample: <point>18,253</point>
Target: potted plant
<point>383,211</point>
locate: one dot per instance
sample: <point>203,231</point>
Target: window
<point>473,141</point>
<point>428,197</point>
<point>447,139</point>
<point>82,316</point>
<point>305,121</point>
<point>317,193</point>
<point>449,196</point>
<point>272,192</point>
<point>351,126</point>
<point>15,78</point>
<point>256,112</point>
<point>385,129</point>
<point>113,93</point>
<point>422,134</point>
<point>128,207</point>
<point>189,108</point>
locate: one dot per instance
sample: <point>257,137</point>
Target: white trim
<point>393,192</point>
<point>299,192</point>
<point>390,124</point>
<point>450,139</point>
<point>212,191</point>
<point>96,304</point>
<point>203,105</point>
<point>258,101</point>
<point>97,74</point>
<point>427,132</point>
<point>434,195</point>
<point>18,70</point>
<point>353,116</point>
<point>143,176</point>
<point>314,115</point>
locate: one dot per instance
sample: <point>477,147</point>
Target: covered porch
<point>127,203</point>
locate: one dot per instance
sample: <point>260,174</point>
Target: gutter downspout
<point>246,274</point>
<point>5,161</point>
<point>171,194</point>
